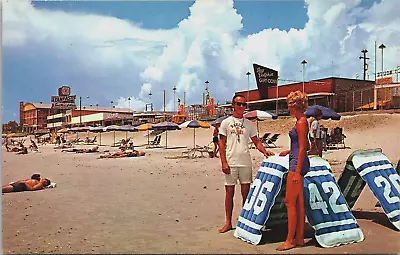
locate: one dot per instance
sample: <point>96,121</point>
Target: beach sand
<point>156,205</point>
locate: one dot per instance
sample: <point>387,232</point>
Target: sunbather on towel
<point>126,154</point>
<point>94,149</point>
<point>22,150</point>
<point>26,185</point>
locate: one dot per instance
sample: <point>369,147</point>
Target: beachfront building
<point>33,116</point>
<point>339,94</point>
<point>90,116</point>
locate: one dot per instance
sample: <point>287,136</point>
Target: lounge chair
<point>155,142</point>
<point>336,139</point>
<point>271,141</point>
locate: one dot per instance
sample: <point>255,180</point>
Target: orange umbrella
<point>146,127</point>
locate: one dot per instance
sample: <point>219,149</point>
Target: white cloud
<point>115,57</point>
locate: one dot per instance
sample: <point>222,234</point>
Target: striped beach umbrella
<point>194,124</point>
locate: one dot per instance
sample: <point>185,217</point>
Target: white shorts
<point>243,174</point>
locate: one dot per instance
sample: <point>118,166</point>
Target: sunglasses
<point>240,104</point>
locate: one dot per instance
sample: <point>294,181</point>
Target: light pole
<point>207,92</point>
<point>80,110</point>
<point>112,112</point>
<point>151,104</point>
<point>174,89</point>
<point>304,62</point>
<point>129,101</point>
<point>248,86</point>
<point>382,46</point>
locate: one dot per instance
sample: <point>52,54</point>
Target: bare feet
<point>299,243</point>
<point>285,246</point>
<point>226,228</point>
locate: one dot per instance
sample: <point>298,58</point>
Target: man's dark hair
<point>35,177</point>
<point>236,96</point>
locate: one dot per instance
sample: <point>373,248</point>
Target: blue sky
<point>57,49</point>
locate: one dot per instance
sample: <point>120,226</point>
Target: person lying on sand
<point>63,146</point>
<point>22,150</point>
<point>25,185</point>
<point>94,149</point>
<point>125,154</point>
<point>33,146</point>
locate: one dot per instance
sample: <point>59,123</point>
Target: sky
<point>112,50</point>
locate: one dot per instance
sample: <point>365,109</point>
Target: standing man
<point>215,138</point>
<point>235,133</point>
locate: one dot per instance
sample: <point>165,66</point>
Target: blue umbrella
<point>219,120</point>
<point>166,125</point>
<point>327,113</point>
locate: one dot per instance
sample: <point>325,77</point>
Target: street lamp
<point>112,112</point>
<point>207,92</point>
<point>382,46</point>
<point>129,100</point>
<point>174,89</point>
<point>151,104</point>
<point>248,86</point>
<point>304,62</point>
<point>80,109</point>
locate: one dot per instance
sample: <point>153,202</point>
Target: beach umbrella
<point>260,116</point>
<point>146,127</point>
<point>166,126</point>
<point>327,113</point>
<point>111,128</point>
<point>219,120</point>
<point>99,129</point>
<point>194,124</point>
<point>63,130</point>
<point>127,128</point>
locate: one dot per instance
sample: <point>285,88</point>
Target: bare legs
<point>294,202</point>
<point>7,189</point>
<point>229,194</point>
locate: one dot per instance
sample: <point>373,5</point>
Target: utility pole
<point>207,93</point>
<point>364,51</point>
<point>375,62</point>
<point>165,98</point>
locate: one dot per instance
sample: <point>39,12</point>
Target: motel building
<point>90,116</point>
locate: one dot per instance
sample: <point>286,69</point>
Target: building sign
<point>64,100</point>
<point>384,80</point>
<point>265,78</point>
<point>387,73</point>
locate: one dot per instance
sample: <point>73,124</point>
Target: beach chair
<point>336,139</point>
<point>271,141</point>
<point>156,142</point>
<point>263,140</point>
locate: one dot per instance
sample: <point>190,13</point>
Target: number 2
<point>394,178</point>
<point>317,203</point>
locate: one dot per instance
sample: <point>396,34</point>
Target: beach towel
<point>263,191</point>
<point>326,209</point>
<point>383,180</point>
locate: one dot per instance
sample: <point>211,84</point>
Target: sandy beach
<point>152,204</point>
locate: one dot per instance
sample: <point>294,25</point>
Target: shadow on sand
<point>376,217</point>
<point>278,235</point>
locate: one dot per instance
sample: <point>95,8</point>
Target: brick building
<point>332,92</point>
<point>33,116</point>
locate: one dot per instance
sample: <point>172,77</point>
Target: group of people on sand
<point>234,133</point>
<point>127,150</point>
<point>32,184</point>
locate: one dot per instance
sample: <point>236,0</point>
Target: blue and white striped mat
<point>326,209</point>
<point>261,198</point>
<point>376,169</point>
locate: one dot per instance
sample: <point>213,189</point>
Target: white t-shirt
<point>315,128</point>
<point>238,133</point>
